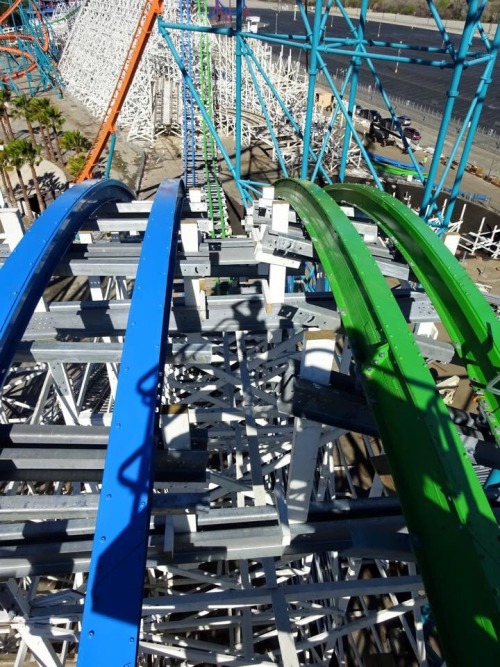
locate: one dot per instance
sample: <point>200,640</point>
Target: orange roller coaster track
<point>151,10</point>
<point>24,42</point>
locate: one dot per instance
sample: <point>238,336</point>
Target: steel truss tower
<point>261,96</point>
<point>62,19</point>
<point>366,53</point>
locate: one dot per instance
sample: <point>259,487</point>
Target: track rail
<point>26,273</point>
<point>119,554</point>
<point>454,532</point>
<point>113,609</point>
<point>468,318</point>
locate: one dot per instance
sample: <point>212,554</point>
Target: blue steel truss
<point>188,130</point>
<point>363,53</point>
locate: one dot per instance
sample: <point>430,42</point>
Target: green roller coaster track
<point>452,527</point>
<point>209,150</point>
<point>467,317</point>
<point>66,16</point>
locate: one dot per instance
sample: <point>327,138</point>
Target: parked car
<point>370,114</point>
<point>379,134</point>
<point>412,134</point>
<point>404,120</point>
<point>389,124</point>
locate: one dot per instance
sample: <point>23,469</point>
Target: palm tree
<point>5,96</point>
<point>24,107</point>
<point>76,164</point>
<point>74,140</point>
<point>4,175</point>
<point>15,150</point>
<point>31,156</point>
<point>55,120</point>
<point>40,106</point>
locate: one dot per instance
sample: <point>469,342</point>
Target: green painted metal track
<point>469,320</point>
<point>453,530</point>
<point>209,149</point>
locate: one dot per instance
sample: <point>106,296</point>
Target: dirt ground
<point>164,160</point>
<point>470,182</point>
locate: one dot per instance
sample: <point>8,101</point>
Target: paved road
<point>419,84</point>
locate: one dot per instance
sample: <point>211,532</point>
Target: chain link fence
<point>485,151</point>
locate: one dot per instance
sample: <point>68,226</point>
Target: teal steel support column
<point>470,127</point>
<point>315,37</point>
<point>428,204</point>
<point>356,62</point>
<point>350,124</point>
<point>378,83</point>
<point>112,144</point>
<point>316,160</point>
<point>269,125</point>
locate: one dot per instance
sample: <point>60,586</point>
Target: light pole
<point>493,159</point>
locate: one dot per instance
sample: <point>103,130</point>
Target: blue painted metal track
<point>27,271</point>
<point>113,605</point>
